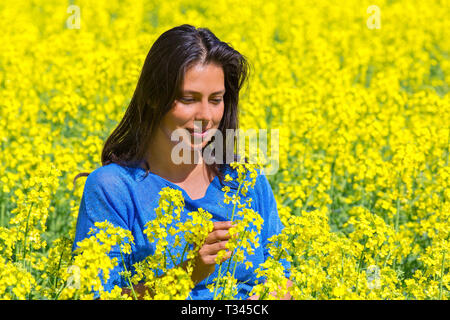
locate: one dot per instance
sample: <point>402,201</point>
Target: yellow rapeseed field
<point>358,91</point>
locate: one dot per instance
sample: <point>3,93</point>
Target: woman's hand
<point>205,262</point>
<point>216,240</point>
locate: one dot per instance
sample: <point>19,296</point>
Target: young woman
<point>190,81</point>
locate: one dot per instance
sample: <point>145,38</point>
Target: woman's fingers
<point>216,241</point>
<point>219,232</point>
<point>222,225</point>
<point>216,236</point>
<point>211,258</point>
<point>225,257</point>
<point>213,248</point>
<point>209,252</point>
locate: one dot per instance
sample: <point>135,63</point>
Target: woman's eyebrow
<point>196,92</point>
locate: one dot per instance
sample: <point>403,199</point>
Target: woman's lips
<point>198,133</point>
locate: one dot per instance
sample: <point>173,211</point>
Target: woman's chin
<point>194,145</point>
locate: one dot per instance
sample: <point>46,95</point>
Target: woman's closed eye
<point>190,100</point>
<point>217,100</point>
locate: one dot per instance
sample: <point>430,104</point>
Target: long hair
<point>159,85</point>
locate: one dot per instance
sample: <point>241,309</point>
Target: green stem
<point>184,251</point>
<point>232,216</point>
<point>266,290</point>
<point>234,207</point>
<point>217,281</point>
<point>442,275</point>
<point>65,282</point>
<point>397,216</point>
<point>359,266</point>
<point>24,243</point>
<point>232,254</point>
<point>2,214</point>
<point>128,277</point>
<point>171,256</point>
<point>26,229</point>
<point>231,259</point>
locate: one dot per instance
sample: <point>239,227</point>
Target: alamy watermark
<point>74,20</point>
<point>373,277</point>
<point>73,281</point>
<point>221,150</point>
<point>374,20</point>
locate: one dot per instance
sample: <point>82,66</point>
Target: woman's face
<point>200,108</point>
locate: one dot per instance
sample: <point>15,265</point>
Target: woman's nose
<point>203,113</point>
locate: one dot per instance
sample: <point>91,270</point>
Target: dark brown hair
<point>159,85</point>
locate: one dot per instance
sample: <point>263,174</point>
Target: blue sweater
<point>121,195</point>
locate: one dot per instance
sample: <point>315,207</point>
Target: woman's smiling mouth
<point>197,132</point>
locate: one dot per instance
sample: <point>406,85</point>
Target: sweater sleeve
<point>105,197</point>
<point>267,208</point>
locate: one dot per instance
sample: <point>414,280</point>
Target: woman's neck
<point>159,159</point>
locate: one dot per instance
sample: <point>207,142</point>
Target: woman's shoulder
<point>108,195</point>
<point>262,184</point>
<point>262,192</point>
<point>111,177</point>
